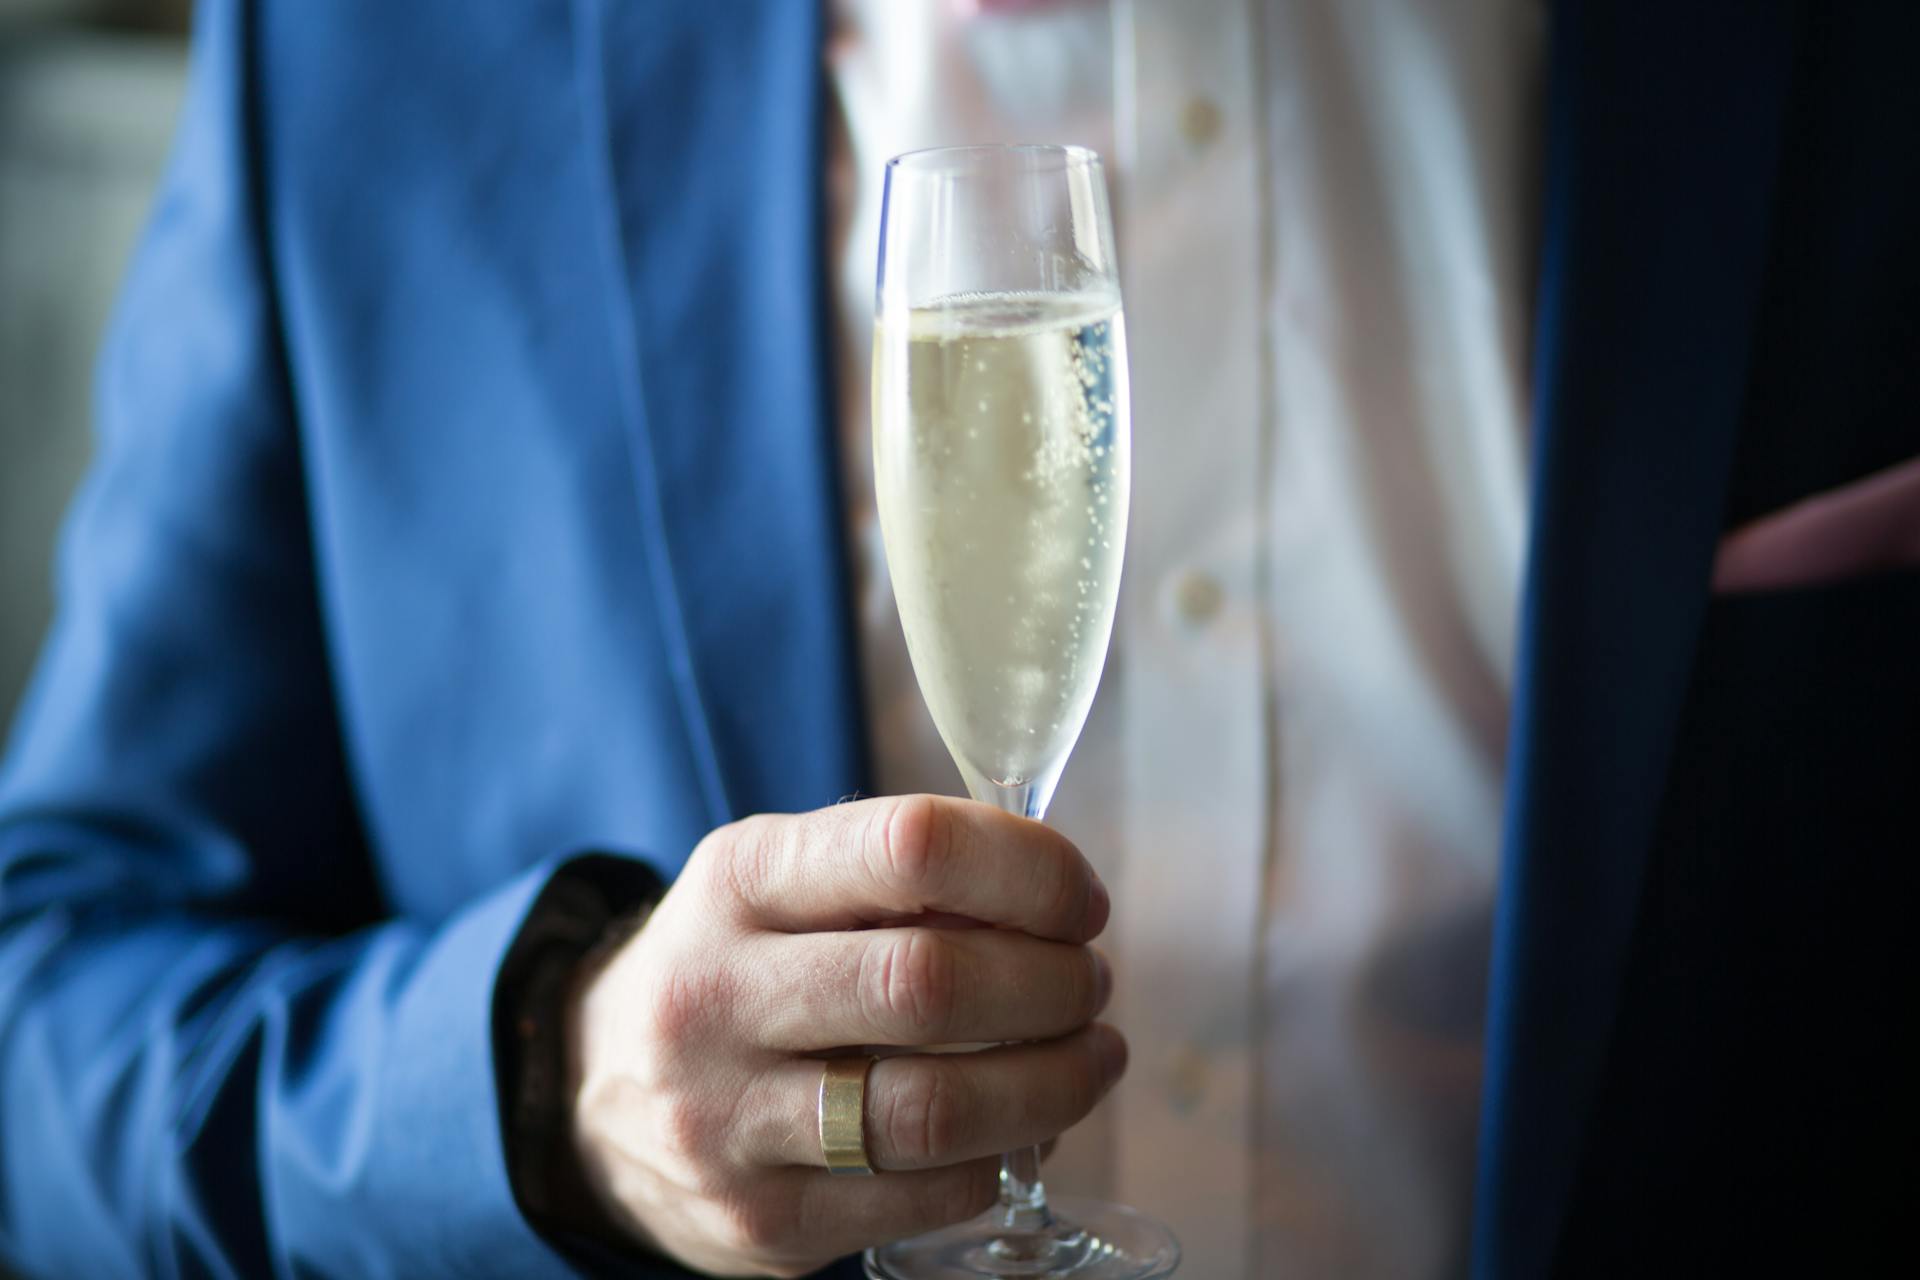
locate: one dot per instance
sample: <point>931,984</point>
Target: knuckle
<point>686,1127</point>
<point>715,845</point>
<point>744,854</point>
<point>909,984</point>
<point>686,1004</point>
<point>927,1120</point>
<point>914,837</point>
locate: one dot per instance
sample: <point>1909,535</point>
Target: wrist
<point>595,1210</point>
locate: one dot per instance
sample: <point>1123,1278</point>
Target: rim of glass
<point>921,160</point>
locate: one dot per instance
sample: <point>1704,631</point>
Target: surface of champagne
<point>1001,459</point>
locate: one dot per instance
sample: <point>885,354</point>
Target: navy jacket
<point>465,505</point>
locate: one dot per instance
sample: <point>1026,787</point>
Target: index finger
<point>888,860</point>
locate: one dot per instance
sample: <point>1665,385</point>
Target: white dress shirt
<point>1292,774</point>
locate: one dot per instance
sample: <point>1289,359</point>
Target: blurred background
<point>89,90</point>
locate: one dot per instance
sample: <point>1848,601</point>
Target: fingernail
<point>1112,1053</point>
<point>1102,981</point>
<point>1101,909</point>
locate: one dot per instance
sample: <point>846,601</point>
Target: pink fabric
<point>1864,527</point>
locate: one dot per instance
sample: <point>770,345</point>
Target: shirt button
<point>1200,122</point>
<point>1197,597</point>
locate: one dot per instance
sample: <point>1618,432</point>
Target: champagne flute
<point>1001,459</point>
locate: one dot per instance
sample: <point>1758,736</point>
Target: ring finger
<point>925,1111</point>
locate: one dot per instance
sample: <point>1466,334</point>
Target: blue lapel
<point>706,124</point>
<point>1662,152</point>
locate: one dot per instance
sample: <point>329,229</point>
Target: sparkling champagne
<point>1001,462</point>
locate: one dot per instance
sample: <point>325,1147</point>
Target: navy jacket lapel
<point>1662,154</point>
<point>708,129</point>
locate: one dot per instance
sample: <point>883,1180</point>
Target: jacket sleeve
<point>220,1054</point>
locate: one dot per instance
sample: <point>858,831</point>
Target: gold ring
<point>843,1109</point>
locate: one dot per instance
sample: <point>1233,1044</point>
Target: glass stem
<point>1023,1199</point>
<point>1023,799</point>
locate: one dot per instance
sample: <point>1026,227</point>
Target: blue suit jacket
<point>466,503</point>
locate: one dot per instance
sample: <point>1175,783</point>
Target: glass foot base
<point>1090,1240</point>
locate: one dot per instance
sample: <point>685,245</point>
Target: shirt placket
<point>1193,685</point>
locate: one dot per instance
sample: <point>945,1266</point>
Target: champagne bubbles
<point>1001,458</point>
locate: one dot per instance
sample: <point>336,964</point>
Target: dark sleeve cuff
<point>586,899</point>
